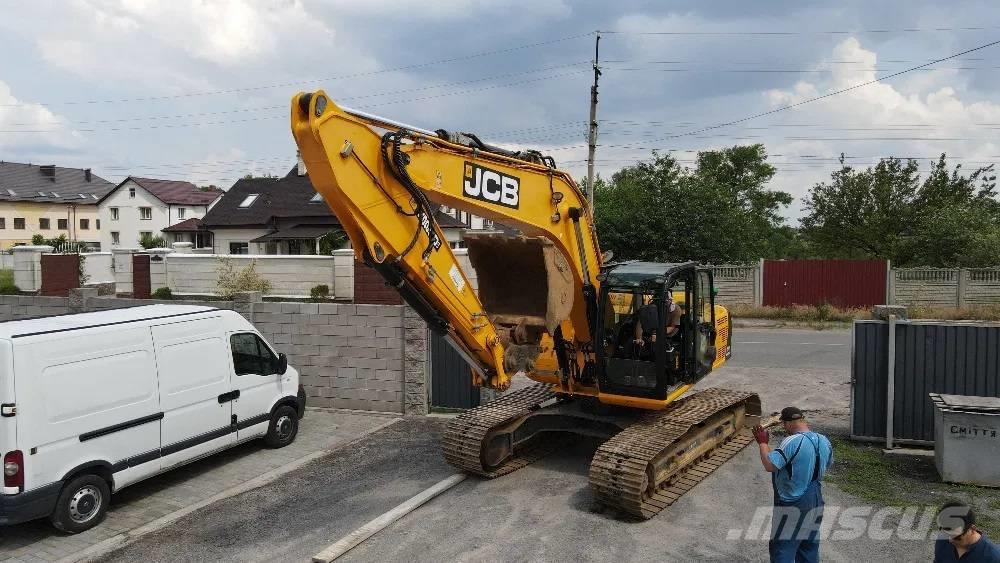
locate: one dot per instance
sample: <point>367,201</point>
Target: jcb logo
<point>492,186</point>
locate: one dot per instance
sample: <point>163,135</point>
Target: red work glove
<point>761,435</point>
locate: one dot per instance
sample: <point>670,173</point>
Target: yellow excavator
<point>601,340</point>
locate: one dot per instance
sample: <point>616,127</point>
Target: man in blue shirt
<point>797,467</point>
<point>961,540</point>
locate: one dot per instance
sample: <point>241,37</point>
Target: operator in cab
<point>646,324</point>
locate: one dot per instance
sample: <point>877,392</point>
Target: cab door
<point>703,316</point>
<point>257,382</point>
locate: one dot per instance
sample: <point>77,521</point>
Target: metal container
<point>967,445</point>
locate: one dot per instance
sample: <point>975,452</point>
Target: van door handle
<point>230,396</point>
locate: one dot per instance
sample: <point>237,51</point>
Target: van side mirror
<point>282,366</point>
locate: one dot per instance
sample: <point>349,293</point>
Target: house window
<point>248,200</point>
<point>239,248</point>
<point>61,224</point>
<point>271,248</point>
<point>19,223</point>
<point>114,213</point>
<point>84,224</point>
<point>131,193</point>
<point>3,223</point>
<point>180,212</point>
<point>97,224</point>
<point>44,223</point>
<point>115,237</point>
<point>145,213</point>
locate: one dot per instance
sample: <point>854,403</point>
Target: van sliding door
<point>196,394</point>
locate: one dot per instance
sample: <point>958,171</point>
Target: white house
<point>138,206</point>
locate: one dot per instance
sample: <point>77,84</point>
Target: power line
<point>829,94</point>
<point>311,80</point>
<point>796,33</point>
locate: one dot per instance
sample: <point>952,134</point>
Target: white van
<point>94,402</point>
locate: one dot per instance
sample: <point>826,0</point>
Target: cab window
<point>251,356</point>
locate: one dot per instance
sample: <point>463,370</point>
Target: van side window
<point>251,355</point>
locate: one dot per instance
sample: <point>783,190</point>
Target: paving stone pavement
<point>158,496</point>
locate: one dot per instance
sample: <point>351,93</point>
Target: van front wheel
<point>82,504</point>
<point>283,428</point>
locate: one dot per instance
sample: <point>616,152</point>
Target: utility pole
<point>592,140</point>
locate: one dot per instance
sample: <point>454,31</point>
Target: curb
<point>123,539</point>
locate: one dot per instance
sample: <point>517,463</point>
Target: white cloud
<point>28,125</point>
<point>919,118</point>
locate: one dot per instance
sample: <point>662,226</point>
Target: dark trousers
<point>795,527</point>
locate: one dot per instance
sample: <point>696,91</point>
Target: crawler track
<point>463,439</point>
<point>650,464</point>
<point>641,469</point>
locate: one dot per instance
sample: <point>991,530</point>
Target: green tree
<point>720,211</point>
<point>888,212</point>
<point>148,241</point>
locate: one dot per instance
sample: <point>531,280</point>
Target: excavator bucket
<point>524,283</point>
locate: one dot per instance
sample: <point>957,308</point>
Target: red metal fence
<point>841,283</point>
<point>141,283</point>
<point>60,273</point>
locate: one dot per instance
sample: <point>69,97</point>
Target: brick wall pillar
<point>415,351</point>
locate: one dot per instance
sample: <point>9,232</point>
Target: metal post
<point>890,390</point>
<point>592,140</point>
<point>889,290</point>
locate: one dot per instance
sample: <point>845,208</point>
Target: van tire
<point>82,504</point>
<point>283,428</point>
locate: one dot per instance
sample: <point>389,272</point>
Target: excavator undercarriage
<point>647,461</point>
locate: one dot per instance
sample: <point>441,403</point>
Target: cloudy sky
<point>199,89</point>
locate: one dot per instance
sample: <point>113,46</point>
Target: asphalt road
<point>544,512</point>
<point>301,513</point>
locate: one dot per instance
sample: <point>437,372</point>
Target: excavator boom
<point>385,187</point>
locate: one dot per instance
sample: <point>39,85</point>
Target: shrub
<point>163,293</point>
<point>232,280</point>
<point>37,240</point>
<point>149,241</point>
<point>7,286</point>
<point>320,292</point>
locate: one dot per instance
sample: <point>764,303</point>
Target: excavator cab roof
<point>636,273</point>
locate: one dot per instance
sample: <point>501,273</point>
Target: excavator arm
<point>384,181</point>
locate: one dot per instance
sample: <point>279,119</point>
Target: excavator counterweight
<point>614,348</point>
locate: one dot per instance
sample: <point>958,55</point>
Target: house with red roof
<point>147,206</point>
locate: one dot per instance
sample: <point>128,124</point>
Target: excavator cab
<point>636,356</point>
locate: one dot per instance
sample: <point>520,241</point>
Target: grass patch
<point>829,314</point>
<point>863,471</point>
<point>801,313</point>
<point>978,313</point>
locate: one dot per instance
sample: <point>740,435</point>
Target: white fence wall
<point>199,273</point>
<point>97,266</point>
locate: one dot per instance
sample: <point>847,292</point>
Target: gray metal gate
<point>451,377</point>
<point>955,358</point>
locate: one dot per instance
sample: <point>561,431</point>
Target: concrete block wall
<point>737,285</point>
<point>348,356</point>
<point>16,307</point>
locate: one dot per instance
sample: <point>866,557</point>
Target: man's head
<point>957,522</point>
<point>793,419</point>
